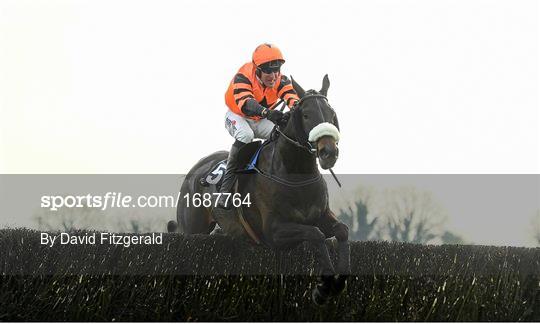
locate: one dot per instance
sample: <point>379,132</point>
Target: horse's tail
<point>178,225</point>
<point>189,219</point>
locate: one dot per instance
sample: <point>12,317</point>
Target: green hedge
<point>390,282</point>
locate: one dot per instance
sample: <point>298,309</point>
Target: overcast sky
<point>138,86</point>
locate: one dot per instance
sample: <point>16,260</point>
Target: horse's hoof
<point>172,226</point>
<point>338,285</point>
<point>318,298</point>
<point>217,230</point>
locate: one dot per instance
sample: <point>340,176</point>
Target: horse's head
<point>315,123</point>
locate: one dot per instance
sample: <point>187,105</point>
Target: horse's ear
<point>325,85</point>
<point>297,88</point>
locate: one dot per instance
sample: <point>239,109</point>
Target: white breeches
<point>245,129</point>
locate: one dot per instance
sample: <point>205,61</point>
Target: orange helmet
<point>265,53</point>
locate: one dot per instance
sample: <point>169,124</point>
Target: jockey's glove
<point>274,116</point>
<point>253,108</point>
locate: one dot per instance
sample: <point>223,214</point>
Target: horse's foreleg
<point>341,232</point>
<point>289,234</point>
<point>331,227</point>
<point>343,267</point>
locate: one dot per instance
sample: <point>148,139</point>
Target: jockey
<point>253,91</point>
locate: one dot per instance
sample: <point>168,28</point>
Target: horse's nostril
<point>324,154</point>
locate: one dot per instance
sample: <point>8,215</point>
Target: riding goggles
<point>269,70</point>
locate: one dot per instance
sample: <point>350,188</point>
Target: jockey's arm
<point>252,108</point>
<point>286,92</point>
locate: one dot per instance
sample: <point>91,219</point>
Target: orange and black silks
<point>245,85</point>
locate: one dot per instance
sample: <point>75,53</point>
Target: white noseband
<point>323,129</point>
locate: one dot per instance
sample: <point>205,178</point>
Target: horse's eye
<point>305,116</point>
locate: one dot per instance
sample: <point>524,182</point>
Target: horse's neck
<point>294,159</point>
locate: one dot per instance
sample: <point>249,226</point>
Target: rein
<point>309,148</point>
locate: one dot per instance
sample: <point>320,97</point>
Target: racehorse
<point>289,201</point>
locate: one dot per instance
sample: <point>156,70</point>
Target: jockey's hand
<point>274,116</point>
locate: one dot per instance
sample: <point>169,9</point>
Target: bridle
<point>307,145</point>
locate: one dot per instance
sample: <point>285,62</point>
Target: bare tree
<point>411,215</point>
<point>126,221</point>
<point>355,214</point>
<point>137,222</point>
<point>449,237</point>
<point>69,219</point>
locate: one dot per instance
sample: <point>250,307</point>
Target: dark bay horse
<point>288,195</point>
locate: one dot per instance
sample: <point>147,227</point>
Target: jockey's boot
<point>229,178</point>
